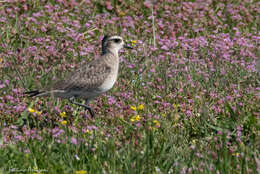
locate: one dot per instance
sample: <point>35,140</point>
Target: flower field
<point>187,99</point>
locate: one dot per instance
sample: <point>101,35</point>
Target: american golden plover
<point>91,79</point>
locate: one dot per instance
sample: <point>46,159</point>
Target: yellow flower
<point>132,119</point>
<point>133,108</point>
<point>133,42</point>
<point>63,114</point>
<point>64,122</point>
<point>235,154</point>
<point>122,13</point>
<point>175,105</point>
<point>136,118</point>
<point>88,131</point>
<point>164,115</point>
<point>81,172</point>
<point>194,141</point>
<point>31,110</point>
<point>38,112</point>
<point>140,107</point>
<point>156,123</point>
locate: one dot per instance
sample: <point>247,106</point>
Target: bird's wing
<point>89,76</point>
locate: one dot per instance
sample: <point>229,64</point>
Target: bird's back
<point>88,76</point>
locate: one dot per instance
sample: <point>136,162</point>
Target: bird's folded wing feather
<point>89,76</point>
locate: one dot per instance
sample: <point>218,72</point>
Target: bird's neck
<point>111,56</point>
<point>109,51</point>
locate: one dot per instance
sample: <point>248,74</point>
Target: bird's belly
<point>108,83</point>
<point>88,94</point>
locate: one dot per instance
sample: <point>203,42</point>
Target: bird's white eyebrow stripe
<point>115,37</point>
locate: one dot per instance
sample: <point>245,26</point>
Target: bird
<point>91,79</point>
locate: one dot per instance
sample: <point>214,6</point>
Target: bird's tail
<point>33,93</point>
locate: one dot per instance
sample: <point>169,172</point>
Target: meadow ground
<point>186,100</point>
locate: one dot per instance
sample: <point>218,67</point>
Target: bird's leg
<point>92,113</point>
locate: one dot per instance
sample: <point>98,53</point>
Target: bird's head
<point>113,43</point>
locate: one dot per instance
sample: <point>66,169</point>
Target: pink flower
<point>2,86</point>
<point>164,47</point>
<point>74,141</point>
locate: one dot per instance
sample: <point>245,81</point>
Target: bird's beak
<point>128,47</point>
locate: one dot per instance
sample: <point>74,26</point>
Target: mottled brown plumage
<point>88,77</point>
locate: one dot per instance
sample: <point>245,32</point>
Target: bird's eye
<point>117,40</point>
